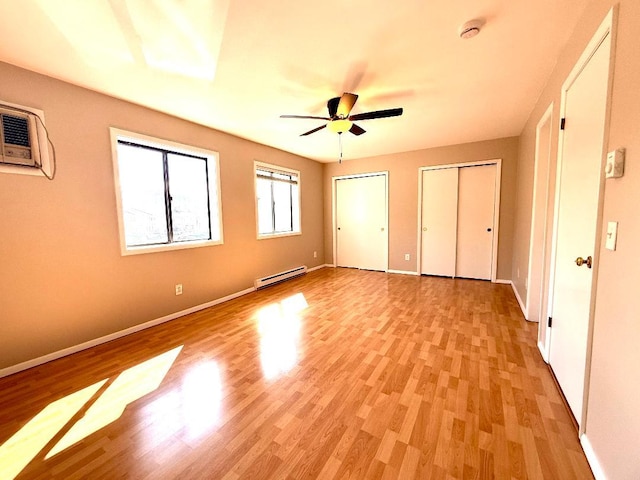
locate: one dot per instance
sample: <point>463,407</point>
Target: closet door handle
<point>489,229</point>
<point>581,261</point>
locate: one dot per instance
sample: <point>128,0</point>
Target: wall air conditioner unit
<point>19,138</point>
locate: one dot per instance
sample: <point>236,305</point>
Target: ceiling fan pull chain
<point>340,144</point>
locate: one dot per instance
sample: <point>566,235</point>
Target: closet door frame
<point>334,211</point>
<point>496,212</point>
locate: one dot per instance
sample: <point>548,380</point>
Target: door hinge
<point>550,322</point>
<point>563,122</point>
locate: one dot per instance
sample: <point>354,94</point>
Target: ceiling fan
<point>340,119</point>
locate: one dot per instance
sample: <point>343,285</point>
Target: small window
<point>168,194</point>
<point>277,200</point>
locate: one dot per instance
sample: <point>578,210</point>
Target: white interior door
<point>361,220</point>
<point>476,208</point>
<point>439,221</point>
<point>578,193</point>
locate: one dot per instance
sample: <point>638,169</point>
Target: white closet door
<point>361,214</point>
<point>439,218</point>
<point>476,204</point>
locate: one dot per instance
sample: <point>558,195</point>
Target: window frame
<point>213,183</point>
<point>258,165</point>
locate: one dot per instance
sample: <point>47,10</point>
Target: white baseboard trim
<point>591,458</point>
<point>403,272</point>
<point>520,302</point>
<point>312,269</point>
<point>544,352</point>
<point>122,333</point>
<point>513,287</point>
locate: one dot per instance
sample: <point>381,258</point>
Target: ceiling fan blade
<point>347,101</point>
<point>392,112</point>
<point>313,131</point>
<point>332,106</point>
<point>356,73</point>
<point>304,116</point>
<point>356,130</point>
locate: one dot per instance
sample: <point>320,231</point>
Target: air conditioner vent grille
<point>15,130</point>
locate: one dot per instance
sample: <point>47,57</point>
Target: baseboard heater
<point>280,277</point>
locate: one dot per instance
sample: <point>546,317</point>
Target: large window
<point>168,194</point>
<point>277,200</point>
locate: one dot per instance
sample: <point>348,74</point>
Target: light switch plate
<point>614,167</point>
<point>612,235</point>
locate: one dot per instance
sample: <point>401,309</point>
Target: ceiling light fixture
<point>340,125</point>
<point>470,29</point>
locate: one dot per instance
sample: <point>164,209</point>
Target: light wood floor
<point>380,376</point>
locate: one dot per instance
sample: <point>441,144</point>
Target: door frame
<point>496,211</point>
<point>606,28</point>
<point>334,211</point>
<point>540,220</point>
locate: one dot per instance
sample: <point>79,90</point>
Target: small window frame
<point>213,180</point>
<point>258,165</point>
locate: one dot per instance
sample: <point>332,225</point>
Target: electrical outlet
<point>407,256</point>
<point>315,254</point>
<point>178,289</point>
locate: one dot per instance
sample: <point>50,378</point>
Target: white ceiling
<point>236,65</point>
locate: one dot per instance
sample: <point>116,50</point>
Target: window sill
<point>278,235</point>
<point>125,251</point>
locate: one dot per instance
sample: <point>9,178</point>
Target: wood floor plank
<point>378,376</point>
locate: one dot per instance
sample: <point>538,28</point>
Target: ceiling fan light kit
<point>340,125</point>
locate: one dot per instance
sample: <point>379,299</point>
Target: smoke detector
<point>470,29</point>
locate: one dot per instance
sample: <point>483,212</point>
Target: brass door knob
<point>581,261</point>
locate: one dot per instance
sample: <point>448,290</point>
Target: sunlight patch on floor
<point>191,409</point>
<point>26,443</point>
<point>132,384</point>
<point>202,399</point>
<point>279,330</point>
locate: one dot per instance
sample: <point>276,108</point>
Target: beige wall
<point>403,195</point>
<point>64,281</point>
<point>613,410</point>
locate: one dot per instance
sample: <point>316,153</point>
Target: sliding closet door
<point>439,218</point>
<point>476,203</point>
